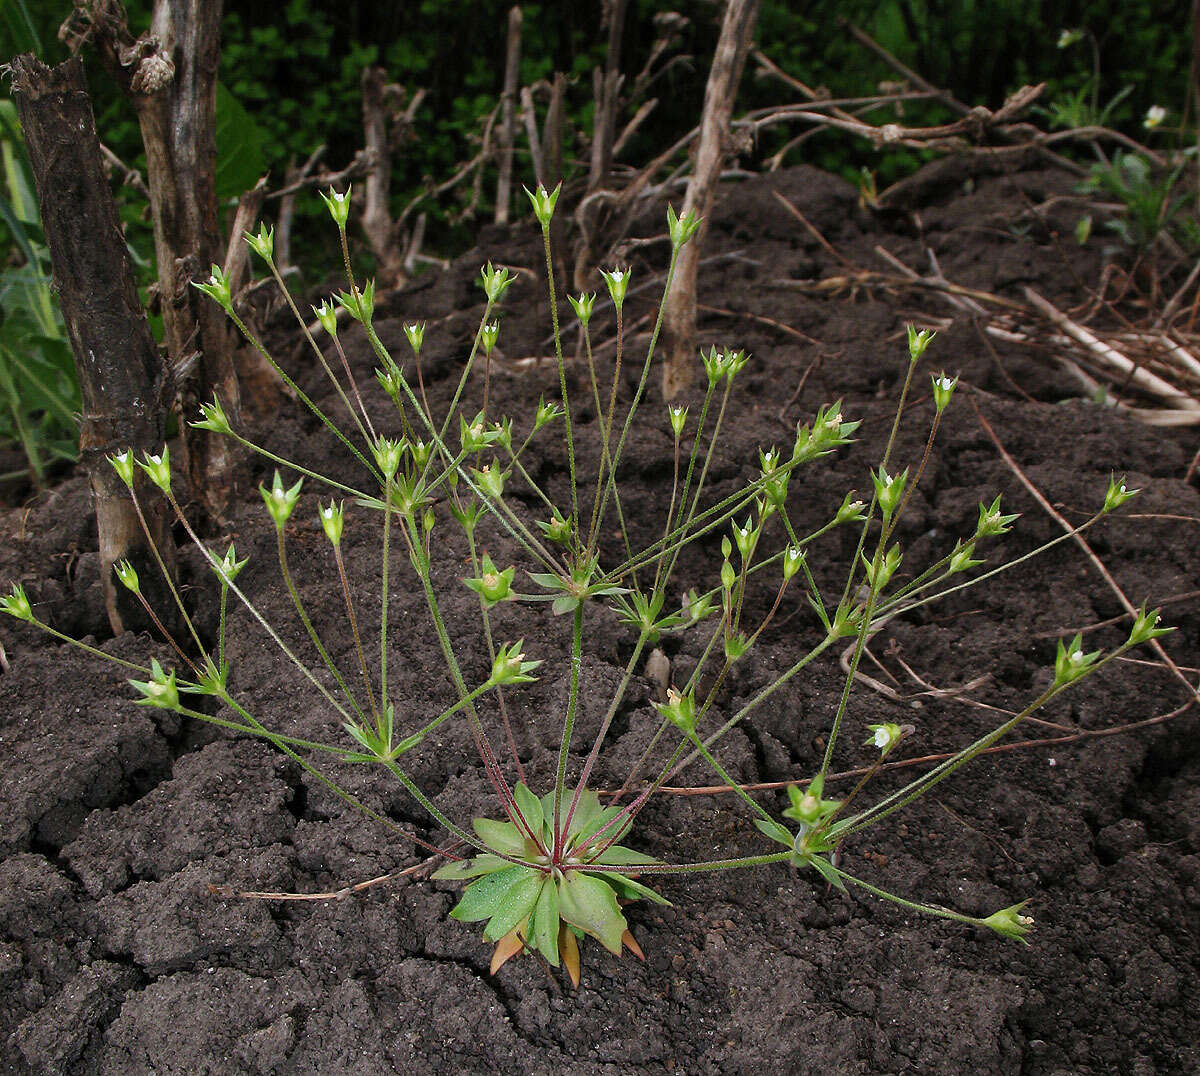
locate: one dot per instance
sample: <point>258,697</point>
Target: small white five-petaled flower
<point>1155,115</point>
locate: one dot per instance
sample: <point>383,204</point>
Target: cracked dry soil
<point>117,956</point>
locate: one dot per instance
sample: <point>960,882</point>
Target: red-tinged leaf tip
<point>568,949</point>
<point>631,944</point>
<point>506,948</point>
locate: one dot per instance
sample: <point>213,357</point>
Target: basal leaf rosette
<point>539,894</point>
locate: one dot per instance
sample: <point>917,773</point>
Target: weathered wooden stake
<point>122,379</point>
<point>679,315</point>
<point>170,76</point>
<point>508,121</point>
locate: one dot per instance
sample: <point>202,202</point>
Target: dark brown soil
<point>117,957</point>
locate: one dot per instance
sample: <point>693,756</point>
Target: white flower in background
<point>1155,114</point>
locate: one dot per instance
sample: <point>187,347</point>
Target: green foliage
<point>38,394</point>
<point>1153,205</point>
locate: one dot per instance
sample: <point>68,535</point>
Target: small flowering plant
<point>560,865</point>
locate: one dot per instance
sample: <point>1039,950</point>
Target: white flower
<point>1155,115</point>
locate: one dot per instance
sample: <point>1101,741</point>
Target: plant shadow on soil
<point>116,955</point>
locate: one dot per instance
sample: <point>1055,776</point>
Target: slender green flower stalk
<point>555,868</point>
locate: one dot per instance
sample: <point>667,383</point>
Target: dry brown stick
<point>237,251</point>
<point>552,131</point>
<point>761,319</point>
<point>170,79</point>
<point>123,383</point>
<point>377,218</point>
<point>908,73</point>
<point>1111,358</point>
<point>1079,540</point>
<point>632,126</point>
<point>679,306</point>
<point>287,209</point>
<point>606,90</point>
<point>1176,300</point>
<point>508,109</point>
<point>811,229</point>
<point>529,119</point>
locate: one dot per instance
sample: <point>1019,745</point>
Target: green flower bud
<point>543,203</point>
<point>546,413</point>
<point>1010,922</point>
<point>339,206</point>
<point>327,316</point>
<point>213,417</point>
<point>495,282</point>
<point>280,502</point>
<point>492,585</point>
<point>734,361</point>
<point>1117,494</point>
<point>416,336</point>
<point>887,568</point>
<point>359,303</point>
<point>697,607</point>
<point>943,389</point>
<point>388,454</point>
<point>1070,662</point>
<point>714,365</point>
<point>421,451</point>
<point>726,547</point>
<point>681,229</point>
<point>918,341</point>
<point>332,519</point>
<point>159,690</point>
<point>745,537</point>
<point>809,807</point>
<point>16,604</point>
<point>262,244</point>
<point>128,576</point>
<point>889,490</point>
<point>846,621</point>
<point>228,568</point>
<point>490,479</point>
<point>158,468</point>
<point>727,575</point>
<point>428,520</point>
<point>851,511</point>
<point>468,514</point>
<point>793,561</point>
<point>961,559</point>
<point>679,709</point>
<point>217,287</point>
<point>992,522</point>
<point>583,307</point>
<point>1145,627</point>
<point>488,335</point>
<point>736,644</point>
<point>557,530</point>
<point>618,282</point>
<point>122,463</point>
<point>510,666</point>
<point>678,416</point>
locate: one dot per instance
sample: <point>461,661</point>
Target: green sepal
<point>516,905</point>
<point>587,903</point>
<point>482,898</point>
